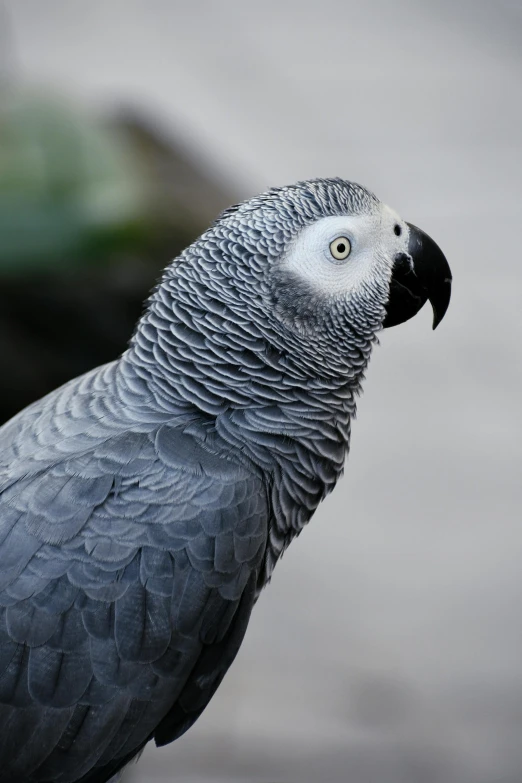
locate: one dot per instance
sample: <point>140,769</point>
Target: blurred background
<point>388,648</point>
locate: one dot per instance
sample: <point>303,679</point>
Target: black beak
<point>421,274</point>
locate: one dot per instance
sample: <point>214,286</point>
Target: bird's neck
<point>281,414</point>
<point>218,353</point>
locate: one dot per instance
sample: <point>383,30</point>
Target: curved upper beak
<point>421,274</point>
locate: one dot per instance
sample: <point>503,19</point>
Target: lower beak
<point>421,274</point>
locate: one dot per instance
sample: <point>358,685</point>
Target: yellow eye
<point>340,248</point>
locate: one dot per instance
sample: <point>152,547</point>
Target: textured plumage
<point>144,505</point>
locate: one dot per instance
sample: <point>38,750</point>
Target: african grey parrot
<point>144,505</point>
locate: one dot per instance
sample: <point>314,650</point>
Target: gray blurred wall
<point>388,648</point>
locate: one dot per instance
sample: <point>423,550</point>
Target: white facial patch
<point>374,244</point>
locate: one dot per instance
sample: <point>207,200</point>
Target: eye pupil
<point>341,247</point>
<point>398,230</point>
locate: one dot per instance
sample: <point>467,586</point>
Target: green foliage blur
<point>69,192</point>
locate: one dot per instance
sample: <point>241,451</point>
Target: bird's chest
<point>298,483</point>
<point>300,457</point>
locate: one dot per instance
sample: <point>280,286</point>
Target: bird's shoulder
<point>81,487</point>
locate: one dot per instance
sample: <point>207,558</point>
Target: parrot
<point>145,504</point>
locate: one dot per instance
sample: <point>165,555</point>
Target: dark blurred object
<point>90,213</point>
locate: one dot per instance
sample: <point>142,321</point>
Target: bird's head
<point>290,285</point>
<point>325,264</point>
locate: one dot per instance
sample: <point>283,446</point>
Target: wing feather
<point>128,562</point>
